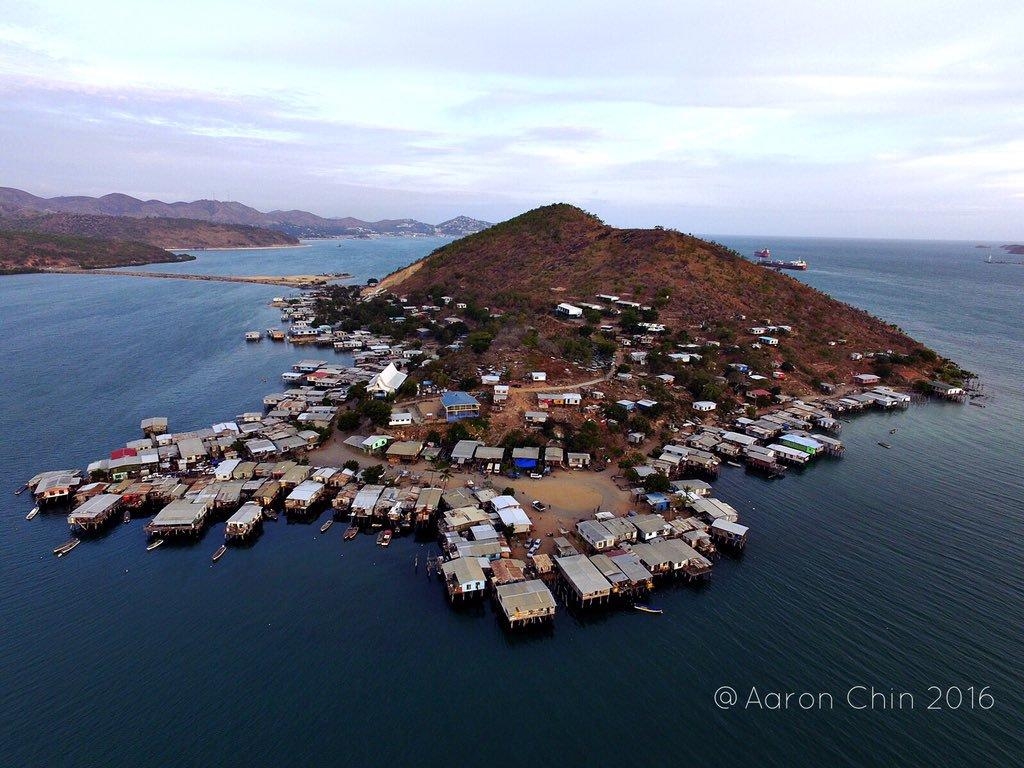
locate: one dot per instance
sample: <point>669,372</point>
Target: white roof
<point>306,491</point>
<point>389,379</point>
<point>512,517</point>
<point>225,468</point>
<point>584,575</point>
<point>729,527</point>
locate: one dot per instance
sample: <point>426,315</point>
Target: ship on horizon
<point>764,253</point>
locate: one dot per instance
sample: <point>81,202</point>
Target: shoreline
<point>235,248</point>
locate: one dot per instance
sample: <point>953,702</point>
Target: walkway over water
<point>289,281</point>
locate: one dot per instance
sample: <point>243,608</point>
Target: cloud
<point>711,112</point>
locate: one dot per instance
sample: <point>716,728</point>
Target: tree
<point>479,341</point>
<point>587,437</point>
<point>348,420</point>
<point>351,464</point>
<point>377,411</point>
<point>657,483</point>
<point>372,475</point>
<point>456,431</point>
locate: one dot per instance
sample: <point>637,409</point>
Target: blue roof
<point>452,399</point>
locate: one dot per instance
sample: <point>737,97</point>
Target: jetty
<point>286,281</point>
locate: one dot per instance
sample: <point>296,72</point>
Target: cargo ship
<point>799,264</point>
<point>764,253</point>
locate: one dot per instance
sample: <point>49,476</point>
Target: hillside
<point>700,291</point>
<point>295,223</point>
<point>162,233</point>
<point>34,252</point>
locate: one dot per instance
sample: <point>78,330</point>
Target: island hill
<point>40,242</point>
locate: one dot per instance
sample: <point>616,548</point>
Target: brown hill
<point>33,252</point>
<point>699,290</point>
<point>296,223</point>
<point>159,232</point>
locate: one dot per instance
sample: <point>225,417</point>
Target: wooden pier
<point>286,281</point>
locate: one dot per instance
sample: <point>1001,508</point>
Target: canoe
<point>647,608</point>
<point>66,547</point>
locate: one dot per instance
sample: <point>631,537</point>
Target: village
<point>528,520</point>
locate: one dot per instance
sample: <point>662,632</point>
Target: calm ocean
<point>897,570</point>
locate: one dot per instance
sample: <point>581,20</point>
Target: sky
<point>852,119</point>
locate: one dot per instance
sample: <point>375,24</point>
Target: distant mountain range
<point>16,202</point>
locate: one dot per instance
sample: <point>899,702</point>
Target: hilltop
<point>35,252</point>
<point>295,223</point>
<point>159,232</point>
<point>707,298</point>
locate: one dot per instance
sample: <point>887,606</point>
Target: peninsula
<point>549,401</point>
<point>32,242</point>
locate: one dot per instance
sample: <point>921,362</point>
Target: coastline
<point>235,248</point>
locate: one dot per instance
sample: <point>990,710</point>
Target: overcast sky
<point>879,119</point>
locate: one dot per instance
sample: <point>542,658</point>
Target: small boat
<point>219,553</point>
<point>351,532</point>
<point>734,464</point>
<point>646,608</point>
<point>893,430</point>
<point>324,528</point>
<point>253,335</point>
<point>127,516</point>
<point>66,547</point>
<point>384,537</point>
<point>884,445</point>
<point>269,514</point>
<point>154,544</point>
<point>21,490</point>
<point>32,513</point>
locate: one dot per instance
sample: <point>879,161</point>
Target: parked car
<point>540,506</point>
<point>536,476</point>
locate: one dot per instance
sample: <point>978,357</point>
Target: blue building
<point>459,405</point>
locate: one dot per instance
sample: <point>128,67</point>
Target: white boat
<point>33,513</point>
<point>646,608</point>
<point>253,336</point>
<point>219,553</point>
<point>154,544</point>
<point>66,547</point>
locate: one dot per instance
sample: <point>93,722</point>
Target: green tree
<point>657,483</point>
<point>348,420</point>
<point>377,411</point>
<point>479,341</point>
